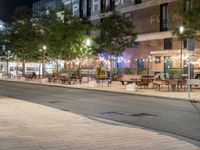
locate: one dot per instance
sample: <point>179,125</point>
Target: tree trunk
<point>69,73</point>
<point>43,65</point>
<point>23,67</point>
<point>65,66</point>
<point>57,68</point>
<point>23,64</point>
<point>79,72</point>
<point>111,68</point>
<point>88,65</point>
<point>7,63</point>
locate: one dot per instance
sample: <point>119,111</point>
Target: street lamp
<point>189,59</point>
<point>1,27</point>
<point>7,59</point>
<point>181,31</point>
<point>43,60</point>
<point>88,43</point>
<point>44,47</point>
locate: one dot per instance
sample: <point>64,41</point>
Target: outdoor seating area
<point>159,82</point>
<point>100,78</point>
<point>146,85</point>
<point>173,85</point>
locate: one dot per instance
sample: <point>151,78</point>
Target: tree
<point>43,22</point>
<point>5,53</point>
<point>23,36</point>
<point>189,12</point>
<point>66,36</point>
<point>115,34</point>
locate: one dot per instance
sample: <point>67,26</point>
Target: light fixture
<point>181,29</point>
<point>44,47</point>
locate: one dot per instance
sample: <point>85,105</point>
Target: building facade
<point>45,5</point>
<point>155,48</point>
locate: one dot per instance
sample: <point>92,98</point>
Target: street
<point>172,116</point>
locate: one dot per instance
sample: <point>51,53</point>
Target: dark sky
<point>8,6</point>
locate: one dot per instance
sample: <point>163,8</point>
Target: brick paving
<point>28,126</point>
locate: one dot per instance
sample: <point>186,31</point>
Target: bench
<point>130,78</point>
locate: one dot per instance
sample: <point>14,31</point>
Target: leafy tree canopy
<point>22,36</point>
<point>189,11</point>
<point>115,33</point>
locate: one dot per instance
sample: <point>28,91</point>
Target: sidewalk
<point>118,87</point>
<point>28,126</point>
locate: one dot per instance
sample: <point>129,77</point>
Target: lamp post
<point>7,60</point>
<point>189,74</point>
<point>43,60</point>
<point>181,31</point>
<point>88,44</point>
<point>149,64</point>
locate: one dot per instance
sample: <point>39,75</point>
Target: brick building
<point>155,48</point>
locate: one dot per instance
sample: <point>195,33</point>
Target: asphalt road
<point>172,116</point>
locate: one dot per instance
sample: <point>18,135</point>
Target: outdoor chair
<point>145,80</point>
<point>160,80</point>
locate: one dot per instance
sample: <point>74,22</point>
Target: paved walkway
<point>118,87</point>
<point>28,126</point>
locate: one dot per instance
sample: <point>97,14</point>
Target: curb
<point>99,90</point>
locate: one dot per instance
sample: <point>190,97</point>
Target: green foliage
<point>5,45</point>
<point>189,11</point>
<point>23,37</point>
<point>127,71</point>
<point>64,35</point>
<point>174,73</point>
<point>98,72</point>
<point>116,33</point>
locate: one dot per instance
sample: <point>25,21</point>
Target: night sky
<point>8,6</point>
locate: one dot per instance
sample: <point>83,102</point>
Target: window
<point>184,44</point>
<point>134,45</point>
<point>81,9</point>
<point>187,5</point>
<point>112,4</point>
<point>168,43</point>
<point>140,64</point>
<point>164,17</point>
<point>138,2</point>
<point>190,44</point>
<point>103,6</point>
<point>88,8</point>
<point>157,59</point>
